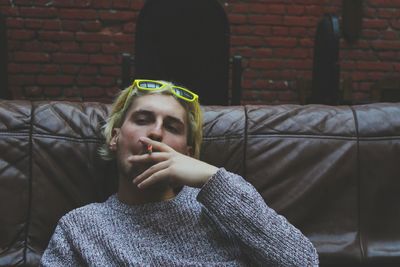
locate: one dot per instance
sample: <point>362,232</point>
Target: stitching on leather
<point>70,138</point>
<point>222,138</point>
<point>383,138</point>
<point>14,134</point>
<point>245,141</point>
<point>50,108</point>
<point>358,185</point>
<point>30,174</point>
<point>327,137</point>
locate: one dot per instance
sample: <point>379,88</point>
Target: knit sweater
<point>225,223</point>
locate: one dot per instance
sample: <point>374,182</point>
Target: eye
<point>175,128</point>
<point>172,128</point>
<point>141,119</point>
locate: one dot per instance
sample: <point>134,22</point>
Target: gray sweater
<point>226,223</point>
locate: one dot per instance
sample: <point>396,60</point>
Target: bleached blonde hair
<point>123,102</point>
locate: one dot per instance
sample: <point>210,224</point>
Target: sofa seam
<point>264,136</point>
<point>362,251</point>
<point>30,178</point>
<point>223,137</point>
<point>245,141</point>
<point>14,133</point>
<point>377,138</point>
<point>69,138</point>
<point>300,136</point>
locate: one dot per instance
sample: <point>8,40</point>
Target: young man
<point>172,209</point>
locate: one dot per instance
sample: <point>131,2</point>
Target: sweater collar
<point>180,199</point>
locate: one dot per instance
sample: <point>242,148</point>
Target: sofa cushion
<point>332,171</point>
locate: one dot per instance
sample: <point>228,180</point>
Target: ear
<point>114,139</point>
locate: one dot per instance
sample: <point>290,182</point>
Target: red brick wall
<point>68,49</point>
<point>71,49</point>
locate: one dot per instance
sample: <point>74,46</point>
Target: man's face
<point>156,116</point>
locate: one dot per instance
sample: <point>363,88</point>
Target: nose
<point>155,132</point>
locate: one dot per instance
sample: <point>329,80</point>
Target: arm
<point>236,205</point>
<point>60,251</point>
<point>264,236</point>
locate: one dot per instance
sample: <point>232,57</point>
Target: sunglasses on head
<point>152,85</point>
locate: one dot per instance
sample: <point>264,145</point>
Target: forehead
<point>165,105</point>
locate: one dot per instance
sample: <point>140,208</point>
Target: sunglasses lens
<point>149,85</point>
<point>183,93</point>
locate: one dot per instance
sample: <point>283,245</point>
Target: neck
<point>130,194</point>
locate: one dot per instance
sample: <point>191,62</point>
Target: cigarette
<point>149,149</point>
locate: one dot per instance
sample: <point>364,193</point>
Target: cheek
<point>129,141</point>
<point>178,144</point>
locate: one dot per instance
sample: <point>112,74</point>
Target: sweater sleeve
<point>60,251</point>
<point>264,236</point>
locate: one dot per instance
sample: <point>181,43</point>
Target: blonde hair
<point>123,102</point>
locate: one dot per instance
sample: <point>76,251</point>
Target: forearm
<point>263,234</point>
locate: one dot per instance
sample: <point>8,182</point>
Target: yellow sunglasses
<point>152,85</point>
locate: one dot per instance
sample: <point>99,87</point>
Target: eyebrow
<point>149,112</point>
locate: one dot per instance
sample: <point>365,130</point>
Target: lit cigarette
<point>149,149</point>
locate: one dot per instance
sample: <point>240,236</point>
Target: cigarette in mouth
<point>149,149</point>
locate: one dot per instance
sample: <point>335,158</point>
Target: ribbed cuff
<point>223,189</point>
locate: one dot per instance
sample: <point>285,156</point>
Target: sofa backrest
<point>334,172</point>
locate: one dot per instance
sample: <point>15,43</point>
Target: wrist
<point>210,172</point>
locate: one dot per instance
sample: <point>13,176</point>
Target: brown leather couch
<point>334,172</point>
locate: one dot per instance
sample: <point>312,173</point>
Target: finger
<point>156,145</point>
<point>146,158</point>
<point>150,171</point>
<point>154,179</point>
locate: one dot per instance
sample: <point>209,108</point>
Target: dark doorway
<point>326,71</point>
<point>187,42</point>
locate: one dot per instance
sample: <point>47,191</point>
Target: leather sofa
<point>334,172</point>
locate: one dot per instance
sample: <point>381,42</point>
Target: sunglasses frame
<point>173,89</point>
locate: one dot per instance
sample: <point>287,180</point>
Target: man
<point>172,209</point>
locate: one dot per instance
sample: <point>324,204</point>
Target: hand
<point>171,167</point>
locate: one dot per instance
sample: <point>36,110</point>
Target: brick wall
<point>71,49</point>
<point>68,49</point>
